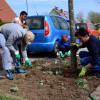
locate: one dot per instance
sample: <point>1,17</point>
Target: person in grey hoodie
<point>6,58</point>
<point>12,34</point>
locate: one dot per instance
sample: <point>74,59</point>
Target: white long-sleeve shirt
<point>18,21</point>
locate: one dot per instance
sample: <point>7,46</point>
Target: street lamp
<point>27,6</point>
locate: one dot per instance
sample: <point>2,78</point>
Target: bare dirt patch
<point>46,81</point>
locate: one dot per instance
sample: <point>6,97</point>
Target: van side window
<point>55,22</point>
<point>28,22</point>
<point>63,23</point>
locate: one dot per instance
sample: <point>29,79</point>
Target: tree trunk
<point>72,34</point>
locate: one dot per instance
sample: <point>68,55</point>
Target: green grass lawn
<point>10,97</point>
<point>2,97</point>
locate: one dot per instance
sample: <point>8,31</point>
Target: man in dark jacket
<point>90,59</point>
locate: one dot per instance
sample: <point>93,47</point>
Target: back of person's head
<point>81,32</point>
<point>64,38</point>
<point>61,10</point>
<point>23,13</point>
<point>29,37</point>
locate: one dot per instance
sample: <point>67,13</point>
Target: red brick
<point>6,13</point>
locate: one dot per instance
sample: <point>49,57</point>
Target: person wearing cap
<point>89,59</point>
<point>14,34</point>
<point>64,43</point>
<point>21,20</point>
<point>64,46</point>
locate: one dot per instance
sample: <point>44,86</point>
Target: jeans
<point>85,59</point>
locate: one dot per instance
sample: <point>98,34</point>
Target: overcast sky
<point>44,6</point>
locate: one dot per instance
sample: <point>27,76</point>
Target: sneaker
<point>10,74</point>
<point>19,70</point>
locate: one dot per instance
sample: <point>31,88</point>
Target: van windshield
<point>35,23</point>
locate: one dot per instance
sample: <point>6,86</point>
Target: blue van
<point>48,30</point>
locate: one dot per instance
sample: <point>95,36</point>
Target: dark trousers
<point>85,59</point>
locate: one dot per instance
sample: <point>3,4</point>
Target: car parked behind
<point>90,27</point>
<point>97,26</point>
<point>48,30</point>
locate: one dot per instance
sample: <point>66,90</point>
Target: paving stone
<point>98,88</point>
<point>88,98</point>
<point>96,93</point>
<point>97,98</point>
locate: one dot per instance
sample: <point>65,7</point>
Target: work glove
<point>17,55</point>
<point>83,72</point>
<point>27,62</point>
<point>75,46</point>
<point>61,54</point>
<point>68,53</point>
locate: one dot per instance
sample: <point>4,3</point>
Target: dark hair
<point>23,13</point>
<point>81,32</point>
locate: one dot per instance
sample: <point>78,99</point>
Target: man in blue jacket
<point>64,43</point>
<point>64,46</point>
<point>90,59</point>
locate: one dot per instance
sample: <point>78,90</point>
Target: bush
<point>5,98</point>
<point>1,22</point>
